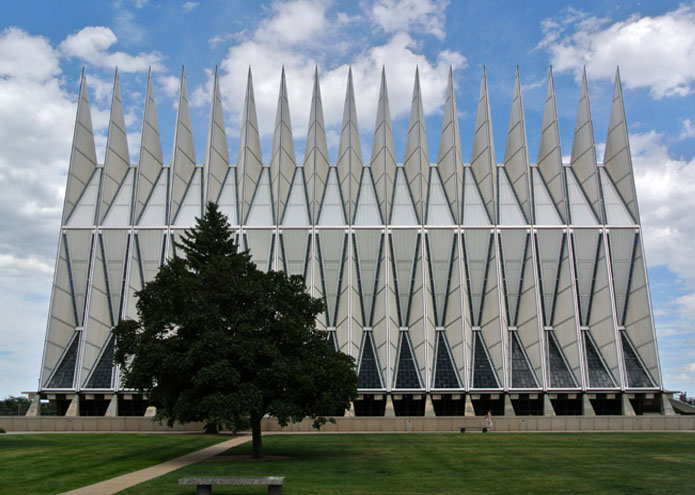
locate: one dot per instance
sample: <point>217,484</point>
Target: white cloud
<point>666,191</point>
<point>16,266</point>
<point>688,130</point>
<point>218,39</point>
<point>274,45</point>
<point>652,52</point>
<point>293,22</point>
<point>422,16</point>
<point>92,44</point>
<point>188,6</point>
<point>38,60</point>
<point>170,85</point>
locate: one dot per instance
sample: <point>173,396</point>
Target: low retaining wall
<point>518,423</point>
<point>90,423</point>
<point>368,424</point>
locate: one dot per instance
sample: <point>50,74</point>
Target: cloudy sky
<point>44,47</point>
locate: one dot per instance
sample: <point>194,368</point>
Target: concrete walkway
<point>124,481</point>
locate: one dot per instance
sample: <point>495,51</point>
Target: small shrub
<point>2,430</point>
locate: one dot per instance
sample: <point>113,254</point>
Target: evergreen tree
<point>218,340</point>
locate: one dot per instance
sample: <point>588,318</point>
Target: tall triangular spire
<point>282,163</point>
<point>416,162</point>
<point>117,158</point>
<point>450,161</point>
<point>250,161</point>
<point>617,159</point>
<point>383,161</point>
<point>549,159</point>
<point>83,156</point>
<point>183,161</point>
<point>150,159</point>
<point>483,162</point>
<point>516,162</point>
<point>350,152</point>
<point>217,154</point>
<point>316,152</point>
<point>584,154</point>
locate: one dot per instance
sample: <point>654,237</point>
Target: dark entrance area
<point>132,407</point>
<point>95,406</point>
<point>528,405</point>
<point>449,405</point>
<point>488,402</point>
<point>567,404</point>
<point>607,404</point>
<point>370,405</point>
<point>644,404</point>
<point>408,405</point>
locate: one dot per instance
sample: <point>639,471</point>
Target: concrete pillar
<point>547,406</point>
<point>150,412</point>
<point>508,408</point>
<point>429,407</point>
<point>628,410</point>
<point>35,407</point>
<point>74,407</point>
<point>666,406</point>
<point>112,410</point>
<point>468,411</point>
<point>389,411</point>
<point>350,412</point>
<point>587,408</point>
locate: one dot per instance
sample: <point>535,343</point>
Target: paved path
<point>122,482</point>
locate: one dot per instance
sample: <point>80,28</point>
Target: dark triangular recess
<point>102,374</point>
<point>445,375</point>
<point>369,376</point>
<point>599,377</point>
<point>333,340</point>
<point>637,376</point>
<point>65,374</point>
<point>522,375</point>
<point>483,373</point>
<point>560,375</point>
<point>407,375</point>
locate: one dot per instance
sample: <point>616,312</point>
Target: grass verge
<point>54,463</point>
<point>635,463</point>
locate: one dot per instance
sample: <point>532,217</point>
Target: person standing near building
<point>488,420</point>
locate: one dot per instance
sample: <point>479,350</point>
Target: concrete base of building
<point>367,424</point>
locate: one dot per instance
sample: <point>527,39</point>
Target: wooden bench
<point>476,428</point>
<point>204,485</point>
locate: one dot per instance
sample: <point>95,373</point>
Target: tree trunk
<point>257,452</point>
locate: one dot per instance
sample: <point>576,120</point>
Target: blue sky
<point>43,48</point>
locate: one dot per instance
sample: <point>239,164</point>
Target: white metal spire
<point>316,160</point>
<point>516,163</point>
<point>250,161</point>
<point>150,159</point>
<point>483,162</point>
<point>349,152</point>
<point>117,159</point>
<point>549,159</point>
<point>450,161</point>
<point>617,158</point>
<point>83,157</point>
<point>217,154</point>
<point>583,159</point>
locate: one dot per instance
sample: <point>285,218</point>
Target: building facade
<point>459,288</point>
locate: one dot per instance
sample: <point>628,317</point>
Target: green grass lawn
<point>54,463</point>
<point>436,464</point>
